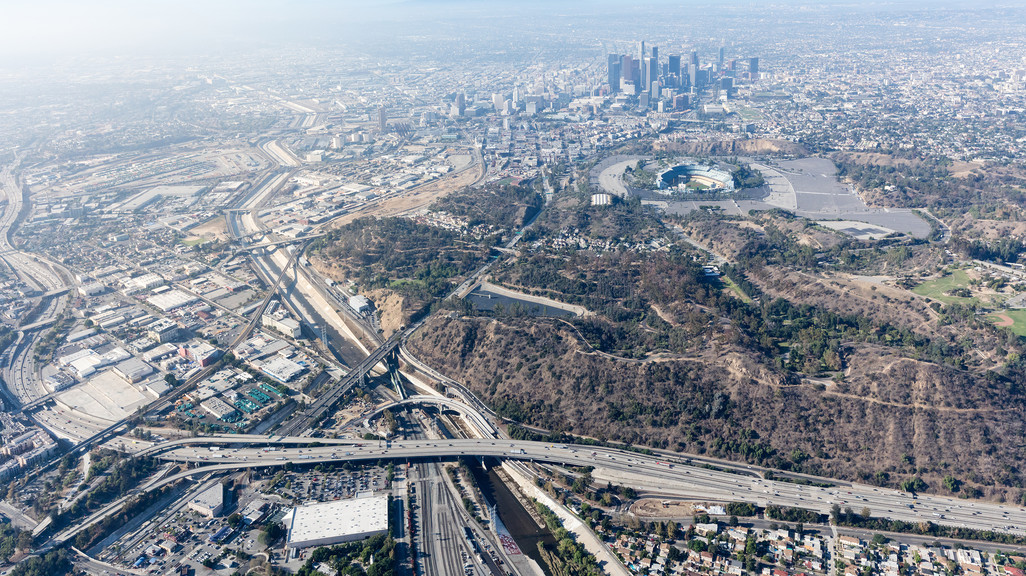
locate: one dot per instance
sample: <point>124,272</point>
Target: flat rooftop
<point>104,396</point>
<point>338,519</point>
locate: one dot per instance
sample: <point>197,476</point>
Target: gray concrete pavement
<point>657,474</point>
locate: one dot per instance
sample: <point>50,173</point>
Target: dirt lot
<point>213,229</point>
<point>416,198</point>
<point>656,508</point>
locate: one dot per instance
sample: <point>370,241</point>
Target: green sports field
<point>1018,318</point>
<point>938,289</point>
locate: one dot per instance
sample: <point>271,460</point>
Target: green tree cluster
<point>569,558</point>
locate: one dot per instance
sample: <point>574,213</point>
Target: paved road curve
<point>655,474</point>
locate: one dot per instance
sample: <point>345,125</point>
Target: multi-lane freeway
<point>19,372</point>
<point>665,475</point>
<point>328,398</point>
<point>657,475</point>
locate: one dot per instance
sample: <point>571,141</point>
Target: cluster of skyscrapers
<point>644,74</point>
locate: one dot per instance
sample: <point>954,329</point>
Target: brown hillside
<point>890,414</point>
<point>734,147</point>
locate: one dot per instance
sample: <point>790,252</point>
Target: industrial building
<point>281,369</point>
<point>81,335</point>
<point>91,289</point>
<point>133,370</point>
<point>140,283</point>
<point>210,502</point>
<point>360,303</point>
<point>281,324</point>
<point>85,363</point>
<point>59,381</point>
<point>171,299</point>
<point>218,408</point>
<point>163,330</point>
<point>200,352</point>
<point>160,352</point>
<point>337,522</point>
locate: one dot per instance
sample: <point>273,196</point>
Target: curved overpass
<point>229,439</point>
<point>480,423</point>
<point>276,440</point>
<point>220,440</point>
<point>653,474</point>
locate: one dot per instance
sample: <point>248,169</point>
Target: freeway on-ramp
<point>672,476</point>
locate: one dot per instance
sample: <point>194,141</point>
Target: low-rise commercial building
<point>133,370</point>
<point>164,331</point>
<point>171,299</point>
<point>286,326</point>
<point>281,369</point>
<point>91,289</point>
<point>337,522</point>
<point>210,502</point>
<point>218,408</point>
<point>202,353</point>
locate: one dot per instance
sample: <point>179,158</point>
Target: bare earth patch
<point>1004,320</point>
<point>213,229</point>
<point>958,169</point>
<point>656,508</point>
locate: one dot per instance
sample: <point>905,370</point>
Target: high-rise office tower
<point>753,68</point>
<point>721,57</point>
<point>461,103</point>
<point>655,53</point>
<point>653,71</point>
<point>692,75</point>
<point>694,59</point>
<point>627,68</point>
<point>674,68</point>
<point>614,74</point>
<point>646,77</point>
<point>516,97</point>
<point>382,119</point>
<point>641,51</point>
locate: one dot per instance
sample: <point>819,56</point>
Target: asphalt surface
<point>655,474</point>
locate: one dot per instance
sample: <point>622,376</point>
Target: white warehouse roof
<point>338,521</point>
<point>171,300</point>
<point>281,369</point>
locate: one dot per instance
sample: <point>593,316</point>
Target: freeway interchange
<point>663,474</point>
<point>652,474</point>
<point>20,370</point>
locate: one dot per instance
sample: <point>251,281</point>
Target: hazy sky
<point>52,31</point>
<point>55,28</point>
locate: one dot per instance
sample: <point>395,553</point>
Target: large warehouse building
<point>337,522</point>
